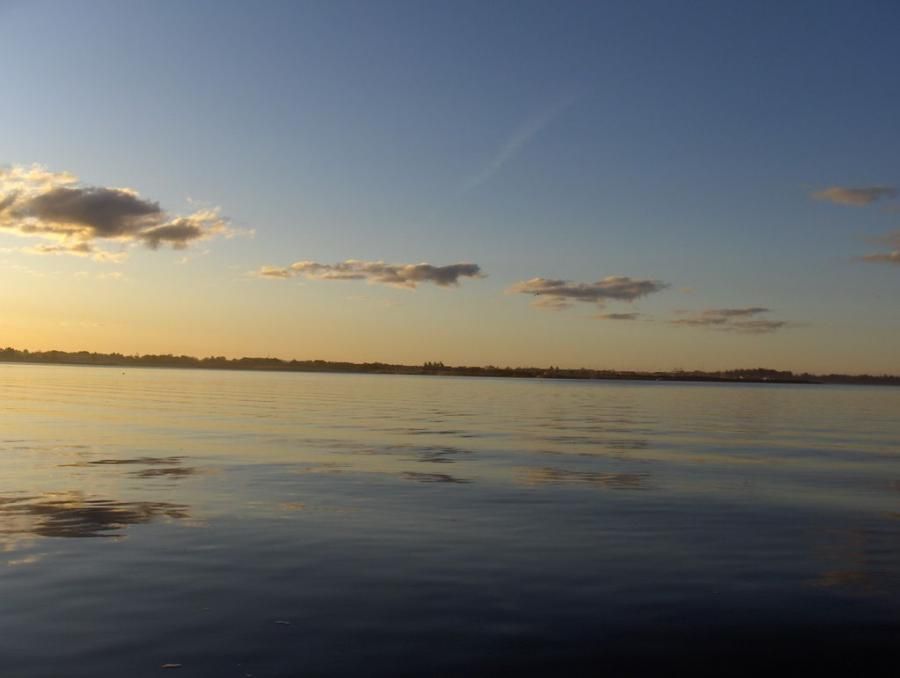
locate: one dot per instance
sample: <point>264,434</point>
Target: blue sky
<point>671,141</point>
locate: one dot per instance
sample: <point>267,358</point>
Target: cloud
<point>95,212</point>
<point>559,294</point>
<point>891,240</point>
<point>742,320</point>
<point>106,275</point>
<point>111,275</point>
<point>79,249</point>
<point>857,197</point>
<point>55,206</point>
<point>719,316</point>
<point>618,316</point>
<point>520,137</point>
<point>883,258</point>
<point>182,231</point>
<point>376,272</point>
<point>756,326</point>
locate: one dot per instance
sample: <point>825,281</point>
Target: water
<point>252,524</point>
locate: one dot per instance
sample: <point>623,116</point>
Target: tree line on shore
<point>758,374</point>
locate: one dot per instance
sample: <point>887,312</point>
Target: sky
<point>622,185</point>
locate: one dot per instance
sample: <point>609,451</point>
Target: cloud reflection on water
<point>159,467</point>
<point>850,558</point>
<point>550,475</point>
<point>147,461</point>
<point>177,472</point>
<point>75,514</point>
<point>433,477</point>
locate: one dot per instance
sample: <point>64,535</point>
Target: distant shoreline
<point>744,376</point>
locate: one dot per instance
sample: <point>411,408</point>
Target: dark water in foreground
<point>244,524</point>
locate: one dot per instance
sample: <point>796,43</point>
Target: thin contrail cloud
<point>521,136</point>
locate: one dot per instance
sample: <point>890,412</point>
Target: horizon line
<point>225,362</point>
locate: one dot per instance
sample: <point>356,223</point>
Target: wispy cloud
<point>105,275</point>
<point>856,197</point>
<point>74,217</point>
<point>376,272</point>
<point>560,294</point>
<point>742,320</point>
<point>892,257</point>
<point>520,137</point>
<point>78,249</point>
<point>618,316</point>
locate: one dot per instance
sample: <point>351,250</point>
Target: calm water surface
<point>251,524</point>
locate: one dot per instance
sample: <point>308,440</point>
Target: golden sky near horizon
<point>618,194</point>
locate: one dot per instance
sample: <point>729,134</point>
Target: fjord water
<point>285,524</point>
